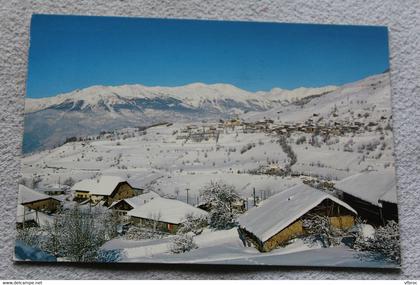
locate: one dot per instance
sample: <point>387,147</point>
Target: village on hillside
<point>257,188</point>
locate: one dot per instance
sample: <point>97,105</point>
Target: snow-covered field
<point>163,163</point>
<point>224,247</point>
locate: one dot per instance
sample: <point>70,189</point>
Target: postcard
<point>213,142</point>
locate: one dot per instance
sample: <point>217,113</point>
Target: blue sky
<point>73,52</point>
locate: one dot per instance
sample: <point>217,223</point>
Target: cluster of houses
<point>272,223</point>
<point>129,203</point>
<point>311,126</point>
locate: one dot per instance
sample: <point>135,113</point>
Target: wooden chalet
<point>372,193</point>
<point>164,214</point>
<point>105,188</point>
<point>30,202</point>
<point>280,218</point>
<point>37,201</point>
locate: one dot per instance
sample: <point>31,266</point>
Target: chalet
<point>123,206</point>
<point>32,205</point>
<point>372,193</point>
<point>388,202</point>
<point>282,131</point>
<point>164,214</point>
<point>37,201</point>
<point>280,218</point>
<point>232,123</point>
<point>192,127</point>
<point>105,188</point>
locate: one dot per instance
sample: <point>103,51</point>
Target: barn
<point>30,202</point>
<point>105,188</point>
<point>279,218</point>
<point>123,206</point>
<point>372,193</point>
<point>164,214</point>
<point>37,201</point>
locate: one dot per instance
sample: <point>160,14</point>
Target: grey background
<point>402,18</point>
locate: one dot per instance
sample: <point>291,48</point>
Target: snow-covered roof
<point>371,186</point>
<point>282,209</point>
<point>390,196</point>
<point>27,195</point>
<point>139,199</point>
<point>104,185</point>
<point>166,210</point>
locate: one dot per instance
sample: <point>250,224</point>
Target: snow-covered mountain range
<point>222,97</point>
<point>49,121</point>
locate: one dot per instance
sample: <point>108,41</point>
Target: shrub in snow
<point>182,243</point>
<point>82,235</point>
<point>320,229</point>
<point>287,149</point>
<point>137,233</point>
<point>247,147</point>
<point>69,182</point>
<point>220,196</point>
<point>76,234</point>
<point>386,241</point>
<point>301,140</point>
<point>30,236</point>
<point>192,224</point>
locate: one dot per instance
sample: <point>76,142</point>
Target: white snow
<point>166,210</point>
<point>390,196</point>
<point>282,209</point>
<point>368,231</point>
<point>225,247</point>
<point>371,186</point>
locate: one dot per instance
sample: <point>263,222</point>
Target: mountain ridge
<point>193,94</point>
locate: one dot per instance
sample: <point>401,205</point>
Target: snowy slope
<point>357,97</point>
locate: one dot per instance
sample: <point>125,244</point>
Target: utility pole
<point>187,193</point>
<point>255,201</point>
